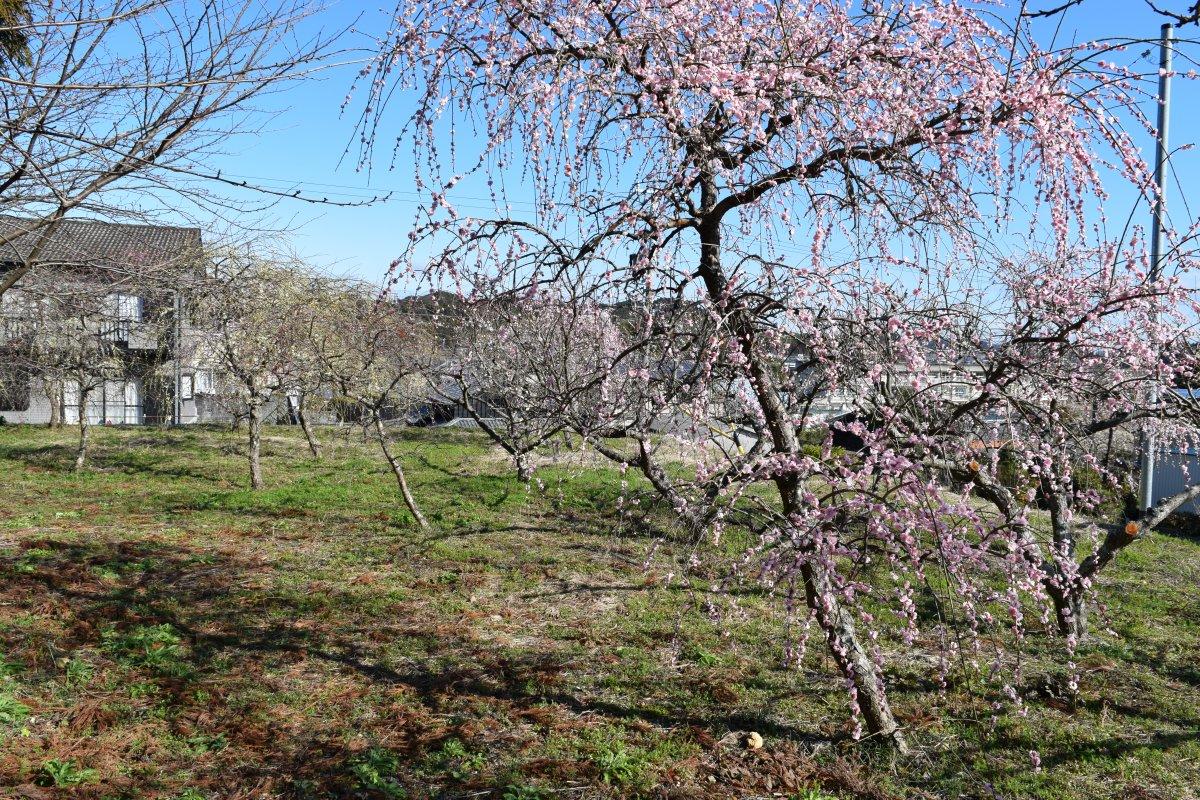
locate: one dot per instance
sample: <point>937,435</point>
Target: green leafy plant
<point>12,711</point>
<point>813,793</point>
<point>79,672</point>
<point>523,792</point>
<point>66,772</point>
<point>616,764</point>
<point>455,758</point>
<point>200,743</point>
<point>702,657</point>
<point>376,770</point>
<point>154,647</point>
<point>9,669</point>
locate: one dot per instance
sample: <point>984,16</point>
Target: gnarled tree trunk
<point>524,468</point>
<point>84,429</point>
<point>255,426</point>
<point>1070,612</point>
<point>820,590</point>
<point>398,471</point>
<point>302,417</point>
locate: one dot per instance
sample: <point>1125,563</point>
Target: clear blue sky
<point>303,144</point>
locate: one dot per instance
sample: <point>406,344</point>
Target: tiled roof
<point>93,242</point>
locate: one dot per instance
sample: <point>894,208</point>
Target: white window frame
<point>133,402</point>
<point>125,307</point>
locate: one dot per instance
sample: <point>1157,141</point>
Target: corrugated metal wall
<point>1169,477</point>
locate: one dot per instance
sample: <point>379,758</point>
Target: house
<point>446,404</point>
<point>117,285</point>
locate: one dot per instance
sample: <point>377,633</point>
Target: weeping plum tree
<point>779,195</point>
<point>1085,356</point>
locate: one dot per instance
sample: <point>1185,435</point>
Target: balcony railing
<point>117,331</point>
<point>15,329</point>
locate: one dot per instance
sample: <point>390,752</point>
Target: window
<point>133,403</point>
<point>15,328</point>
<point>109,403</point>
<point>124,307</point>
<point>15,311</point>
<point>187,387</point>
<point>203,382</point>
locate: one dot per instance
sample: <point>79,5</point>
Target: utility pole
<point>177,347</point>
<point>1146,489</point>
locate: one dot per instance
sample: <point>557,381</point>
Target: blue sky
<point>302,145</point>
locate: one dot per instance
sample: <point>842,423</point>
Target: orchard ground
<point>166,633</point>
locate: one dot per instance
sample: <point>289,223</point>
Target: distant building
<point>114,264</point>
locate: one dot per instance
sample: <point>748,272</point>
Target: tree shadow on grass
<point>284,671</point>
<point>142,463</point>
<point>424,543</point>
<point>61,458</point>
<point>1181,526</point>
<point>1052,757</point>
<point>45,456</point>
<point>241,636</point>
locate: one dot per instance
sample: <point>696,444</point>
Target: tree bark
<point>524,468</point>
<point>1070,612</point>
<point>54,397</point>
<point>820,589</point>
<point>313,445</point>
<point>850,656</point>
<point>84,429</point>
<point>255,425</point>
<point>398,471</point>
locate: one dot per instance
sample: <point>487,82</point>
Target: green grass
<point>167,633</point>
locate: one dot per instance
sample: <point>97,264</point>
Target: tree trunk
<point>850,656</point>
<point>54,397</point>
<point>84,428</point>
<point>1070,608</point>
<point>820,589</point>
<point>313,444</point>
<point>1071,613</point>
<point>398,471</point>
<point>255,419</point>
<point>524,468</point>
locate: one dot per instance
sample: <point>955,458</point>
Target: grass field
<point>166,633</point>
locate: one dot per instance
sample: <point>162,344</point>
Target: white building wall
<point>38,412</point>
<point>1170,478</point>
